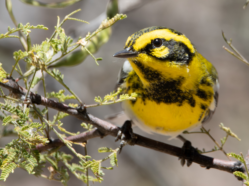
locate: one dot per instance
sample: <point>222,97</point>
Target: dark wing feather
<point>123,73</point>
<point>210,112</point>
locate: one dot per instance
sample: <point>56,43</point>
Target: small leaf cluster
<point>115,97</point>
<point>3,73</point>
<point>87,126</point>
<point>112,156</point>
<point>60,4</point>
<point>17,153</point>
<point>229,132</point>
<point>60,96</point>
<point>80,169</point>
<point>26,29</point>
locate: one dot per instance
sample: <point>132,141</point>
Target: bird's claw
<point>126,135</point>
<point>188,153</point>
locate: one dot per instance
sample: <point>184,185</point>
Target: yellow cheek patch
<point>160,52</point>
<point>166,34</point>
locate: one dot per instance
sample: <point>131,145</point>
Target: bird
<point>177,87</point>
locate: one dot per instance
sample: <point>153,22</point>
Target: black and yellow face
<point>160,44</point>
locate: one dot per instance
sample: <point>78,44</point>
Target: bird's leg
<point>126,135</point>
<point>189,151</point>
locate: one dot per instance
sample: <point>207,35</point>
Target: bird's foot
<point>188,153</point>
<point>126,135</point>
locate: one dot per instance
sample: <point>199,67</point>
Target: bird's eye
<point>157,42</point>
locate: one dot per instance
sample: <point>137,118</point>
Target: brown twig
<point>104,128</point>
<point>220,147</point>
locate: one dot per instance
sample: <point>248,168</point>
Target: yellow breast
<point>172,101</point>
<point>168,119</point>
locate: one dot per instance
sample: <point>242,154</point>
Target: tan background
<point>202,21</point>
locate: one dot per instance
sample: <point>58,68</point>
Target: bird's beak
<point>126,53</point>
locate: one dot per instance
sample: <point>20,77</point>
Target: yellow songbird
<point>177,87</point>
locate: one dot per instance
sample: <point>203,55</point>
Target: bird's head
<point>161,49</point>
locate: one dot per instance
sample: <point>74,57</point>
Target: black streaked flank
<point>161,90</point>
<point>203,94</point>
<point>191,101</point>
<point>203,107</point>
<point>205,81</point>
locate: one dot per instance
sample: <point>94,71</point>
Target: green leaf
<point>113,98</point>
<point>95,167</point>
<point>64,175</point>
<point>61,4</point>
<point>246,183</point>
<point>107,168</point>
<point>67,157</point>
<point>241,175</point>
<point>223,140</point>
<point>9,6</point>
<point>35,81</point>
<point>10,158</point>
<point>236,156</point>
<point>87,126</point>
<point>77,167</point>
<point>20,55</point>
<point>3,74</point>
<point>62,115</point>
<point>28,42</point>
<point>79,20</point>
<point>109,22</point>
<point>104,149</point>
<point>113,159</point>
<point>229,131</point>
<point>20,27</point>
<point>112,9</point>
<point>57,75</point>
<point>60,96</point>
<point>38,170</point>
<point>52,162</point>
<point>7,170</point>
<point>7,120</point>
<point>28,167</point>
<point>98,99</point>
<point>45,46</point>
<point>32,161</point>
<point>35,125</point>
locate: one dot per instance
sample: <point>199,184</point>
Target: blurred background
<point>202,22</point>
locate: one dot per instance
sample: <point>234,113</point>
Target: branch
<point>104,128</point>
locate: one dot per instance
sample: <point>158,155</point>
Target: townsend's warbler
<point>177,87</point>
